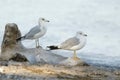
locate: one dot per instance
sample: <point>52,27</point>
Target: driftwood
<point>11,49</point>
<point>9,44</point>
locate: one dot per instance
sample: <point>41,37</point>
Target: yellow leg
<point>75,56</point>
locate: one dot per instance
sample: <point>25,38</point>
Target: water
<point>98,18</point>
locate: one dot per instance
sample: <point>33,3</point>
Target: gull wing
<point>32,32</point>
<point>70,43</point>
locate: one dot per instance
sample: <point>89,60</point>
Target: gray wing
<point>70,43</point>
<point>32,32</point>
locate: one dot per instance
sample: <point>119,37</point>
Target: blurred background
<point>99,19</point>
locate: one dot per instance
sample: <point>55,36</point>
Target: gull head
<point>42,21</point>
<point>81,33</point>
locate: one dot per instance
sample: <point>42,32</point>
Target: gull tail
<point>20,38</point>
<point>53,47</point>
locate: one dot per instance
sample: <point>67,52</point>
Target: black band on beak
<point>85,34</point>
<point>48,21</point>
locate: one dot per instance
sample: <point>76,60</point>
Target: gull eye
<point>80,33</point>
<point>43,19</point>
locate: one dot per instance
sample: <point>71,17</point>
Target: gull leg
<point>36,43</point>
<point>75,56</point>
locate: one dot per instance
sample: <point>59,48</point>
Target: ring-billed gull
<point>73,44</point>
<point>36,32</point>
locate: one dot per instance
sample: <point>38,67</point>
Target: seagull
<point>75,43</point>
<point>36,32</point>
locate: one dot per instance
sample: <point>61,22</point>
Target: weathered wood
<point>10,48</point>
<point>9,43</point>
<point>19,58</point>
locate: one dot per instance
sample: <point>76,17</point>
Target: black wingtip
<point>53,47</point>
<point>18,39</point>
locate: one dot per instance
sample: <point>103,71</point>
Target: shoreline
<point>106,67</point>
<point>24,70</point>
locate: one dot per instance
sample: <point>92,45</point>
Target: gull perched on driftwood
<point>36,32</point>
<point>73,44</point>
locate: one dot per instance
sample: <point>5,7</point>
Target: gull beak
<point>85,34</point>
